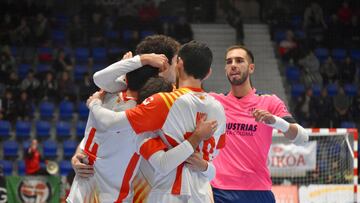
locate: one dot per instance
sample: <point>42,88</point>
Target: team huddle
<point>154,135</point>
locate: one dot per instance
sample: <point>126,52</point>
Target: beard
<point>238,81</point>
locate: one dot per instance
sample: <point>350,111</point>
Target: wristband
<point>301,137</point>
<point>280,124</point>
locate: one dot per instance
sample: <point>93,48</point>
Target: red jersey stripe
<point>221,142</point>
<point>171,141</point>
<point>177,183</point>
<point>93,151</point>
<point>151,146</point>
<point>125,186</point>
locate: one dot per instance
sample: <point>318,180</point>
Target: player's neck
<point>189,82</point>
<point>241,90</point>
<point>131,93</point>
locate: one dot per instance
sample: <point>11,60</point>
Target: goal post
<point>323,170</point>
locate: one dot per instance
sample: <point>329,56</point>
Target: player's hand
<point>127,55</point>
<point>81,168</point>
<point>156,60</point>
<point>196,163</point>
<point>97,95</point>
<point>263,116</point>
<point>205,129</point>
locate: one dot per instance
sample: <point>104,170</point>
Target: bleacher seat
<point>293,74</point>
<point>14,51</point>
<point>145,33</point>
<point>339,54</point>
<point>300,34</point>
<point>316,89</point>
<point>80,129</point>
<point>43,129</point>
<point>10,149</point>
<point>114,54</point>
<point>79,72</point>
<point>279,35</point>
<point>69,148</point>
<point>41,68</point>
<point>61,21</point>
<point>66,109</point>
<point>26,144</point>
<point>296,21</point>
<point>7,167</point>
<point>58,37</point>
<point>127,35</point>
<point>350,89</point>
<point>49,149</point>
<point>112,35</point>
<point>46,110</point>
<point>33,109</point>
<point>4,129</point>
<point>65,167</point>
<point>355,54</point>
<point>116,51</point>
<point>45,54</point>
<point>21,167</point>
<point>98,66</point>
<point>82,54</point>
<point>169,19</point>
<point>63,130</point>
<point>83,110</point>
<point>23,129</point>
<point>348,124</point>
<point>332,89</point>
<point>23,70</point>
<point>297,90</point>
<point>68,51</point>
<point>321,53</point>
<point>99,54</point>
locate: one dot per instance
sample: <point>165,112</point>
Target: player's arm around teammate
<point>82,169</point>
<point>197,163</point>
<point>164,160</point>
<point>161,160</point>
<point>107,78</point>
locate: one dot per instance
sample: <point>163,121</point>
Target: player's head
<point>34,144</point>
<point>239,64</point>
<point>161,44</point>
<point>152,86</point>
<point>158,44</point>
<point>136,79</point>
<point>196,59</point>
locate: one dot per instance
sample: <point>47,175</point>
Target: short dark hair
<point>197,59</point>
<point>158,44</point>
<point>248,52</point>
<point>152,86</point>
<point>136,79</point>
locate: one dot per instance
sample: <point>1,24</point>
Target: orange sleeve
<point>151,146</point>
<point>150,115</point>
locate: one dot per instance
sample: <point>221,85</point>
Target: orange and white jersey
<point>176,115</point>
<point>114,156</point>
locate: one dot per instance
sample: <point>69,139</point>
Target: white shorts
<point>83,190</point>
<point>160,197</point>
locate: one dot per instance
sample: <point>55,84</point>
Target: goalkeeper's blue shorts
<point>243,196</point>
